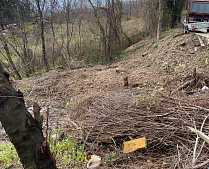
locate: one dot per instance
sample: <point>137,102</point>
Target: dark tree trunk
<point>114,14</point>
<point>160,15</point>
<point>42,34</point>
<point>23,130</point>
<point>101,28</point>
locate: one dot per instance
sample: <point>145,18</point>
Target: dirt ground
<point>158,103</point>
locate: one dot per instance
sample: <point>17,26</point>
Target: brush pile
<point>117,116</point>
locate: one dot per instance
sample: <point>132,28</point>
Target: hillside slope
<point>159,102</point>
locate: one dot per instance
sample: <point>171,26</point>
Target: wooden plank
<point>133,145</point>
<point>201,41</point>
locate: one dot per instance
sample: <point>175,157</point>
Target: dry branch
<point>201,134</point>
<point>182,86</point>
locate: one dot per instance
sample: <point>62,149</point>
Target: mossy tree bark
<point>23,130</point>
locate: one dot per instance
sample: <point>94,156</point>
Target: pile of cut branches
<point>114,117</point>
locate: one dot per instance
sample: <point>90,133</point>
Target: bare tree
<point>160,15</point>
<point>114,14</point>
<point>52,7</point>
<point>41,22</point>
<point>101,28</point>
<point>111,33</point>
<point>8,54</point>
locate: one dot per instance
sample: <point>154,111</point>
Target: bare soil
<point>159,102</point>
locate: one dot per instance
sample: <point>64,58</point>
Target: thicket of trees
<point>52,33</point>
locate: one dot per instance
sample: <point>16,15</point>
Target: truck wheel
<point>185,29</point>
<point>207,30</point>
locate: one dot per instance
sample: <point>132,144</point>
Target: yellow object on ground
<point>133,145</point>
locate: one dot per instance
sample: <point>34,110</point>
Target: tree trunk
<point>102,30</point>
<point>114,14</point>
<point>4,43</point>
<point>159,25</point>
<point>42,34</point>
<point>23,130</point>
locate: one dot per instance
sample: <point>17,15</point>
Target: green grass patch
<point>3,59</point>
<point>125,53</point>
<point>155,46</point>
<point>69,105</point>
<point>149,65</point>
<point>93,59</point>
<point>8,154</point>
<point>67,150</point>
<point>128,52</point>
<point>30,24</point>
<point>201,59</point>
<point>113,159</point>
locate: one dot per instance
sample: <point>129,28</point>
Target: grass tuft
<point>8,155</point>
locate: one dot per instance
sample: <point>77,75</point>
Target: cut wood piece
<point>201,41</point>
<point>125,81</point>
<point>133,145</point>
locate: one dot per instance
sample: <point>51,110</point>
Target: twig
<point>114,143</point>
<point>195,149</point>
<point>31,90</point>
<point>201,165</point>
<point>179,156</point>
<point>24,65</point>
<point>47,121</point>
<point>182,86</point>
<point>203,123</point>
<point>201,134</point>
<point>199,107</point>
<point>12,97</point>
<point>88,134</point>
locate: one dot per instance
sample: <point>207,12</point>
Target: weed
<point>8,154</point>
<point>201,59</point>
<point>113,159</point>
<point>67,150</point>
<point>83,75</point>
<point>149,65</point>
<point>155,64</point>
<point>3,59</point>
<point>192,63</point>
<point>69,105</point>
<point>125,53</point>
<point>129,51</point>
<point>94,59</point>
<point>168,40</point>
<point>155,46</point>
<point>151,104</point>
